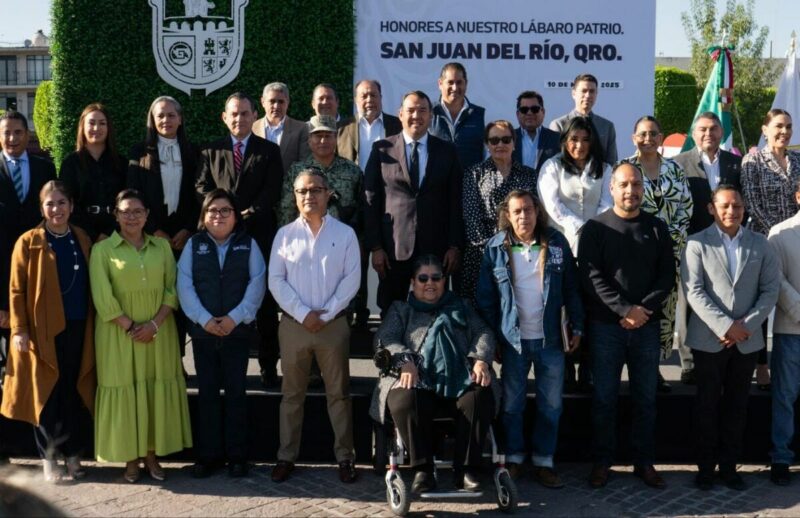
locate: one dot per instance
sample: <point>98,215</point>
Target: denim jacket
<point>496,301</point>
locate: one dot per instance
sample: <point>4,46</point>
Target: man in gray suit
<point>706,167</point>
<point>584,93</point>
<point>730,277</point>
<point>277,127</point>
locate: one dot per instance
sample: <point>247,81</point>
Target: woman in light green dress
<point>141,406</point>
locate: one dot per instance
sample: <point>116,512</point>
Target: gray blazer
<point>605,132</point>
<point>717,300</point>
<point>785,240</point>
<point>404,330</point>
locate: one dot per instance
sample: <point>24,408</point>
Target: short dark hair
<point>725,187</point>
<point>418,93</point>
<point>130,194</point>
<point>14,115</point>
<point>647,118</point>
<point>55,186</point>
<point>710,116</point>
<point>584,77</point>
<point>373,81</point>
<point>530,94</point>
<point>453,65</point>
<point>211,197</point>
<point>328,86</point>
<point>426,260</point>
<point>316,172</point>
<point>241,96</point>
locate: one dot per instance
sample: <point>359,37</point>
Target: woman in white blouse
<point>574,184</point>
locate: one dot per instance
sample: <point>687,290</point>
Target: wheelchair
<point>389,448</point>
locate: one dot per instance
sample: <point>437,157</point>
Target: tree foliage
<point>675,99</point>
<point>43,114</point>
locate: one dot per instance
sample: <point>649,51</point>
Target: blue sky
<point>24,17</point>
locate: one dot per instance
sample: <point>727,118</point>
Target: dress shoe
<point>237,469</point>
<point>547,477</point>
<point>203,469</point>
<point>424,482</point>
<point>347,472</point>
<point>687,377</point>
<point>732,480</point>
<point>282,470</point>
<point>663,387</point>
<point>132,472</point>
<point>779,474</point>
<point>361,320</point>
<point>704,480</point>
<point>466,480</point>
<point>515,470</point>
<point>269,378</point>
<point>599,476</point>
<point>74,468</point>
<point>649,476</point>
<point>154,469</point>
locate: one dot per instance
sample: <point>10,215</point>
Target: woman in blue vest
<point>221,283</point>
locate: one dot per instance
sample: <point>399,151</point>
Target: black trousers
<point>413,411</point>
<point>395,285</point>
<point>267,322</point>
<point>221,363</point>
<point>4,343</point>
<point>723,387</point>
<point>59,429</point>
<point>359,304</point>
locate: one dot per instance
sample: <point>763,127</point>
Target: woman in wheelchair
<point>437,353</point>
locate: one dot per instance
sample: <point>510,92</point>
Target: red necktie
<point>237,158</point>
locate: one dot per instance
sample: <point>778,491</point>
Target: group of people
<point>556,252</point>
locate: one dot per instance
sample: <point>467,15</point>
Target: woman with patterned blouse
<point>486,185</point>
<point>666,196</point>
<point>768,179</point>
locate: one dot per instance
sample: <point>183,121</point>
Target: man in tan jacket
<point>277,127</point>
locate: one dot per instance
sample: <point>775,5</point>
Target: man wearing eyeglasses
<point>535,143</point>
<point>314,272</point>
<point>584,93</point>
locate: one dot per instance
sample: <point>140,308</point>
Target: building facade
<point>21,71</point>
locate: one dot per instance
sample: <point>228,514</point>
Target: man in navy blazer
<point>412,185</point>
<point>535,143</point>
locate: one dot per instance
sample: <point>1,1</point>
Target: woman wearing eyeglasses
<point>441,353</point>
<point>486,184</point>
<point>141,409</point>
<point>666,196</point>
<point>94,173</point>
<point>221,283</point>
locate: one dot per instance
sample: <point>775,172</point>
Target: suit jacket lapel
<point>400,153</point>
<point>715,241</point>
<point>745,245</point>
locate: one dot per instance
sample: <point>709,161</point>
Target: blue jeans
<point>548,368</point>
<point>785,370</point>
<point>613,347</point>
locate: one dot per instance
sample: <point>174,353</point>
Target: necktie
<point>413,169</point>
<point>16,176</point>
<point>237,158</point>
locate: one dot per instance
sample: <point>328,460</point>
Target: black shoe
<point>269,378</point>
<point>237,469</point>
<point>467,481</point>
<point>663,387</point>
<point>687,377</point>
<point>704,480</point>
<point>205,469</point>
<point>424,482</point>
<point>779,474</point>
<point>732,480</point>
<point>361,320</point>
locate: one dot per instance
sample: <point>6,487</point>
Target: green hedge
<point>102,52</point>
<point>43,114</point>
<point>751,106</point>
<point>676,98</point>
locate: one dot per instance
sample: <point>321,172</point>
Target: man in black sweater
<point>626,269</point>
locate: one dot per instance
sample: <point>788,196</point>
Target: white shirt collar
<point>22,158</point>
<point>447,110</point>
<point>362,121</point>
<point>728,239</point>
<point>277,126</point>
<point>244,141</point>
<point>705,159</point>
<point>422,140</point>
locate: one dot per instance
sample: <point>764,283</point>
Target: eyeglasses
<point>224,212</point>
<point>644,134</point>
<point>424,277</point>
<point>496,140</point>
<point>314,191</point>
<point>533,109</point>
<point>132,214</point>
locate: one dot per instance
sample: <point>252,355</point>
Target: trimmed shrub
<point>43,114</point>
<point>676,99</point>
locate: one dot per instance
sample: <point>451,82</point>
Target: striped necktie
<point>237,158</point>
<point>15,168</point>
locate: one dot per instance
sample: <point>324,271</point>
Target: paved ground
<point>316,491</point>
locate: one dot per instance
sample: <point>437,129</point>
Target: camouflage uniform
<point>344,178</point>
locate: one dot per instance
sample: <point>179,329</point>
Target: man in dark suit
<point>413,193</point>
<point>354,142</point>
<point>21,178</point>
<point>277,127</point>
<point>251,168</point>
<point>535,143</point>
<point>706,167</point>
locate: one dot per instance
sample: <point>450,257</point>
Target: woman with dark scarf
<point>440,354</point>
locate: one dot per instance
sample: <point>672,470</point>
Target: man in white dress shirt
<point>314,272</point>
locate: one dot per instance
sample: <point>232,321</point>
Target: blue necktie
<point>15,168</point>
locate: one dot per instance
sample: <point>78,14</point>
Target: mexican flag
<point>718,96</point>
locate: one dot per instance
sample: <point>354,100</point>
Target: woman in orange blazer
<point>50,377</point>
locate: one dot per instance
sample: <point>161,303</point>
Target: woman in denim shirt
<point>527,275</point>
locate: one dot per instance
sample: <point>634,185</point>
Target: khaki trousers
<point>331,348</point>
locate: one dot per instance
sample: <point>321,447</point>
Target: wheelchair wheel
<point>507,495</point>
<point>397,496</point>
